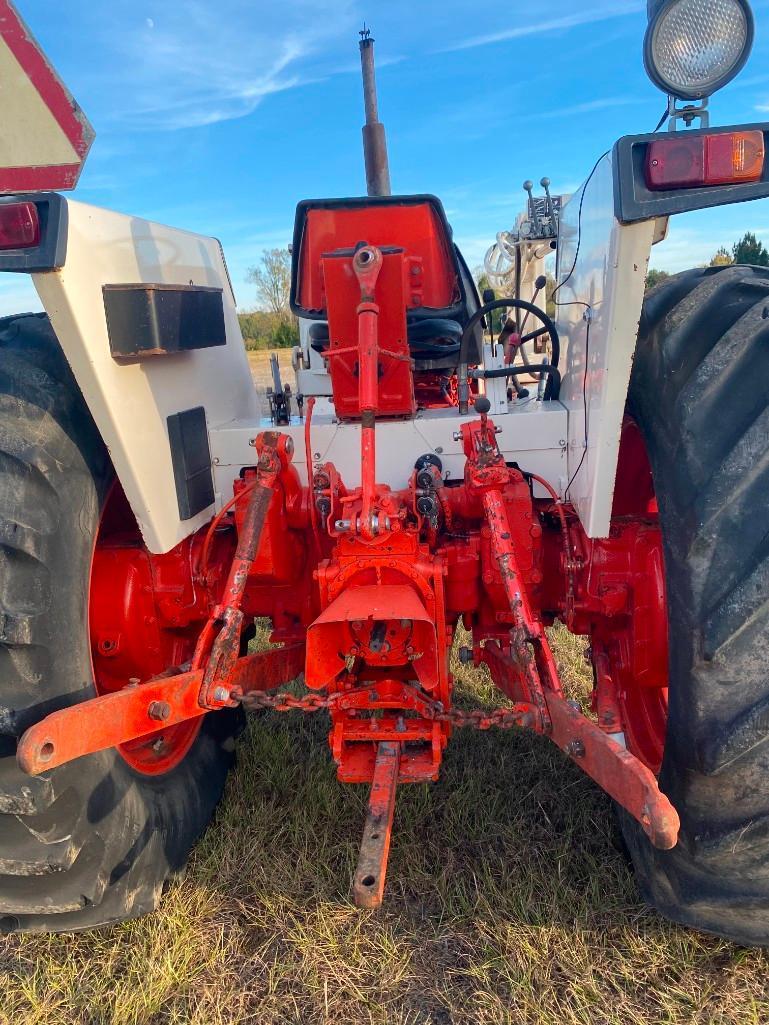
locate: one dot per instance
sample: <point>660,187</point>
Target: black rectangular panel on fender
<point>158,320</point>
<point>191,457</point>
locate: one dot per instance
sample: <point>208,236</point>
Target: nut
<point>575,749</point>
<point>159,710</point>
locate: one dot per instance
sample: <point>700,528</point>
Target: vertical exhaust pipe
<point>374,142</point>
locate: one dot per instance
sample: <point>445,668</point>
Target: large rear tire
<point>94,841</point>
<point>700,395</point>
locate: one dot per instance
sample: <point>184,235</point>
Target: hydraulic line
<point>204,556</point>
<point>569,562</point>
<point>308,459</point>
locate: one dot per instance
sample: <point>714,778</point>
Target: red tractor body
<point>370,582</point>
<point>426,488</point>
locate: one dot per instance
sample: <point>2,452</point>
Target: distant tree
<point>286,334</point>
<point>654,277</point>
<point>262,330</point>
<point>721,258</point>
<point>750,250</point>
<point>272,279</point>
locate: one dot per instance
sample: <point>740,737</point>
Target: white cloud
<point>589,107</point>
<point>566,21</point>
<point>202,62</point>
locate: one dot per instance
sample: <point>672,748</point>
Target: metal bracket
<point>687,114</point>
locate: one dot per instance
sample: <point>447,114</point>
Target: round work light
<point>694,47</point>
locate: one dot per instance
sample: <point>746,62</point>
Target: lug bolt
<point>159,710</point>
<point>221,694</point>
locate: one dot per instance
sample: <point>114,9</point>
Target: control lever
<point>550,206</point>
<point>279,396</point>
<point>528,186</point>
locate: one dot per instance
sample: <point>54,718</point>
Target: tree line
<point>271,325</point>
<point>749,250</point>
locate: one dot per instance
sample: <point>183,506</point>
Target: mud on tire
<point>94,841</point>
<point>700,394</point>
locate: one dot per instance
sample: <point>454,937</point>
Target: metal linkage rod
<point>367,264</point>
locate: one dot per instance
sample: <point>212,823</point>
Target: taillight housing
<point>686,161</point>
<point>19,226</point>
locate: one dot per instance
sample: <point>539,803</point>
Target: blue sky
<point>218,115</point>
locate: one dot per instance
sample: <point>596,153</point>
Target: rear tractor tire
<point>700,396</point>
<point>94,841</point>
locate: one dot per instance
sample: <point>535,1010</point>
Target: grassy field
<point>259,361</point>
<point>508,901</point>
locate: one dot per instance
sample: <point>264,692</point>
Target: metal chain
<point>478,719</point>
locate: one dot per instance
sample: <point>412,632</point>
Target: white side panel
<point>597,318</point>
<point>130,402</point>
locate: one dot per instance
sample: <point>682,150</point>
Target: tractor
<point>605,466</point>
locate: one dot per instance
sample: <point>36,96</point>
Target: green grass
<point>508,901</point>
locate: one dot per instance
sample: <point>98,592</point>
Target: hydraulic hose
<point>496,304</point>
<point>554,375</point>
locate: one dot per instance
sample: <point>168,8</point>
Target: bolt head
<point>221,694</point>
<point>159,710</point>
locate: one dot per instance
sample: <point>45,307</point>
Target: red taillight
<point>682,161</point>
<point>19,226</point>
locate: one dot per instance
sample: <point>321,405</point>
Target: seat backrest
<point>414,224</point>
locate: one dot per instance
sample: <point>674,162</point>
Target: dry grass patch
<point>508,901</point>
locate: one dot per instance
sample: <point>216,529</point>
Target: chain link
<point>477,719</point>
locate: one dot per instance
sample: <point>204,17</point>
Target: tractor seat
<point>429,338</point>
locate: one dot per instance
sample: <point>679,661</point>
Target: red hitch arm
<point>615,770</point>
<point>228,617</point>
<point>143,710</point>
<point>623,776</point>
